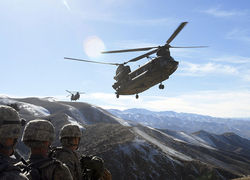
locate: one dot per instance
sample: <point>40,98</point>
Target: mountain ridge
<point>185,121</point>
<point>134,151</point>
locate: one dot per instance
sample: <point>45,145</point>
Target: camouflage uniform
<point>10,127</point>
<point>67,155</point>
<point>36,132</point>
<point>70,158</point>
<point>8,171</point>
<point>50,168</point>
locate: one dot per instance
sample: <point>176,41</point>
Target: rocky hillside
<point>134,151</point>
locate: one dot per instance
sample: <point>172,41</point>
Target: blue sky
<point>36,35</point>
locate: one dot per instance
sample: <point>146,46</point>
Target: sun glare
<point>93,46</point>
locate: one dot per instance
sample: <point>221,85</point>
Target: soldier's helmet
<point>70,130</point>
<point>10,122</point>
<point>39,130</point>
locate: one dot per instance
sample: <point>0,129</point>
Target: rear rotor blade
<point>129,50</point>
<point>188,46</point>
<point>181,26</point>
<point>142,56</point>
<point>74,59</point>
<point>69,91</point>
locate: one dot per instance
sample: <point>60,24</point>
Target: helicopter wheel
<point>136,96</point>
<point>117,95</point>
<point>161,86</point>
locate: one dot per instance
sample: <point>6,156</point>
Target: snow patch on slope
<point>169,151</point>
<point>38,111</point>
<point>5,100</point>
<point>77,114</point>
<point>119,120</point>
<point>193,140</point>
<point>50,99</point>
<point>74,122</point>
<point>184,138</point>
<point>205,137</point>
<point>146,152</point>
<point>167,135</point>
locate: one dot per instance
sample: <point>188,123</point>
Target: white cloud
<point>192,69</point>
<point>241,66</point>
<point>217,12</point>
<point>246,75</point>
<point>232,59</point>
<point>213,103</point>
<point>239,34</point>
<point>186,53</point>
<point>108,100</point>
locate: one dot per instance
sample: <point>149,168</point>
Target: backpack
<point>9,171</point>
<point>3,167</point>
<point>92,166</point>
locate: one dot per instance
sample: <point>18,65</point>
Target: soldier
<point>38,136</point>
<point>70,136</point>
<point>10,130</point>
<point>93,168</point>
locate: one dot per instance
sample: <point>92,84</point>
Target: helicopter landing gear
<point>136,96</point>
<point>161,86</point>
<point>117,95</point>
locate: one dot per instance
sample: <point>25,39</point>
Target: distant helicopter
<point>74,95</point>
<point>153,72</point>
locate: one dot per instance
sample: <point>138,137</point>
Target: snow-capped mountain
<point>185,121</point>
<point>135,151</point>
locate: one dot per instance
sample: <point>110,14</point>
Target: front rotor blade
<point>74,59</point>
<point>181,26</point>
<point>129,50</point>
<point>142,56</point>
<point>188,46</point>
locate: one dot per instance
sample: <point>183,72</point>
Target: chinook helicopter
<point>74,95</point>
<point>153,72</point>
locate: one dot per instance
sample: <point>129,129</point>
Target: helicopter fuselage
<point>154,72</point>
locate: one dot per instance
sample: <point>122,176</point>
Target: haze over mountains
<point>185,121</point>
<point>132,150</point>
